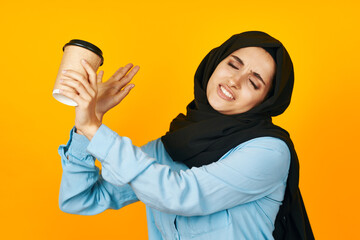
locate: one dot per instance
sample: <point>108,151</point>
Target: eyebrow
<point>255,73</point>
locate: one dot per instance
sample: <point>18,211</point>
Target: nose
<point>237,80</point>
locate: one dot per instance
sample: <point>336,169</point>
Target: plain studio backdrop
<point>168,39</point>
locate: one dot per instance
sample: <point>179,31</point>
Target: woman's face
<point>241,81</point>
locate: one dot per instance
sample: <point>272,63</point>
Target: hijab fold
<point>203,135</point>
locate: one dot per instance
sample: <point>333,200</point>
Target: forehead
<point>258,59</point>
<point>254,54</point>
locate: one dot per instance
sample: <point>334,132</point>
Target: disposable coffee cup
<point>74,51</point>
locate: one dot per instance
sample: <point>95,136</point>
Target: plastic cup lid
<point>87,45</point>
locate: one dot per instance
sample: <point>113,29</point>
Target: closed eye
<point>256,87</point>
<point>230,64</point>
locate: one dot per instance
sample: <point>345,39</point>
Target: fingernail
<point>63,71</point>
<point>83,61</point>
<point>132,86</point>
<point>61,80</point>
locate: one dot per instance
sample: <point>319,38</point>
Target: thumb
<point>100,76</point>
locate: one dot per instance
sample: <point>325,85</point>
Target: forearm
<point>83,190</point>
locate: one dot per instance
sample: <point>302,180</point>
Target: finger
<point>69,89</point>
<point>100,76</point>
<point>91,72</point>
<point>76,85</point>
<point>72,96</point>
<point>73,75</point>
<point>123,93</point>
<point>130,75</point>
<point>121,72</point>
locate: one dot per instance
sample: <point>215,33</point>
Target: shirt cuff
<point>78,144</point>
<point>101,142</point>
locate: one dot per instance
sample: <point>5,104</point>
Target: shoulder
<point>153,148</point>
<point>261,155</point>
<point>265,148</point>
<point>267,143</point>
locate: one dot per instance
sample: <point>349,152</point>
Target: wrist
<point>79,132</point>
<point>90,131</point>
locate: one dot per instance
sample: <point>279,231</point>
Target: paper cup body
<point>74,51</point>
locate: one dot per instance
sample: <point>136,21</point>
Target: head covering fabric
<point>203,135</point>
<point>271,51</point>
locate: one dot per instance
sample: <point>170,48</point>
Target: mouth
<point>225,93</point>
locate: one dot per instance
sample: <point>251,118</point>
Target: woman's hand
<point>114,90</point>
<point>83,90</point>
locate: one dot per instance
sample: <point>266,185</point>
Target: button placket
<point>176,233</point>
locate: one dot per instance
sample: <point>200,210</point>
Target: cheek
<point>218,75</point>
<point>208,89</point>
<point>249,98</point>
<point>211,86</point>
<point>212,97</point>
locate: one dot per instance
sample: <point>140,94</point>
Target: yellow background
<point>168,39</point>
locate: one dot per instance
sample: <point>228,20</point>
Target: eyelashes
<point>232,65</point>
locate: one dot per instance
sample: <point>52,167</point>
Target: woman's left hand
<point>83,90</point>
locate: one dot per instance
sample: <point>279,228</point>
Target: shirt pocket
<point>197,225</point>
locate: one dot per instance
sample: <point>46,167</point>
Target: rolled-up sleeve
<point>83,191</point>
<point>246,174</point>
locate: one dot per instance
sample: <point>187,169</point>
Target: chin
<point>225,111</point>
<point>222,110</point>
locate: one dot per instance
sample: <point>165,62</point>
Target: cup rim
<point>87,45</point>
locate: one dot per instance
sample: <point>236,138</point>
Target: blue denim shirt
<point>237,197</point>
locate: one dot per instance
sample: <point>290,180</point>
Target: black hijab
<point>203,135</point>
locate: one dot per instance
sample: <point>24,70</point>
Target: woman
<point>223,171</point>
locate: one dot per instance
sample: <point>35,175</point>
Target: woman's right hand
<point>114,90</point>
